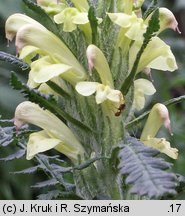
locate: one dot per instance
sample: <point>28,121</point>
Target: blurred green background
<point>12,186</point>
<point>169,85</point>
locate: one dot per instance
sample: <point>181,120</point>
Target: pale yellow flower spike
<point>158,116</point>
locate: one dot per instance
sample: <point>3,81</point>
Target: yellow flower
<point>142,87</point>
<point>167,20</point>
<point>105,90</point>
<point>102,92</point>
<point>97,60</point>
<point>157,55</point>
<point>45,69</point>
<point>15,22</point>
<point>55,133</point>
<point>158,116</point>
<point>32,38</point>
<point>132,26</point>
<point>70,17</point>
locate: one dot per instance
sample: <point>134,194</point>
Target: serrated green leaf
<point>15,83</point>
<point>151,31</point>
<point>6,57</point>
<point>146,173</point>
<point>152,7</point>
<point>14,156</point>
<point>58,90</point>
<point>94,24</point>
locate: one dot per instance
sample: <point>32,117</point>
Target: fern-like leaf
<point>6,136</point>
<point>59,169</point>
<point>46,183</point>
<point>58,89</point>
<point>146,173</point>
<point>6,57</point>
<point>58,176</point>
<point>29,170</point>
<point>17,155</point>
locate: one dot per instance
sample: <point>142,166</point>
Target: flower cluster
<point>51,59</point>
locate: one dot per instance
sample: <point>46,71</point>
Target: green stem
<point>174,101</point>
<point>145,114</point>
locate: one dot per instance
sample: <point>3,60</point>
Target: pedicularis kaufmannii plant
<point>89,65</point>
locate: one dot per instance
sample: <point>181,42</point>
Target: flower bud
<point>16,22</point>
<point>97,60</point>
<point>167,20</point>
<point>158,116</point>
